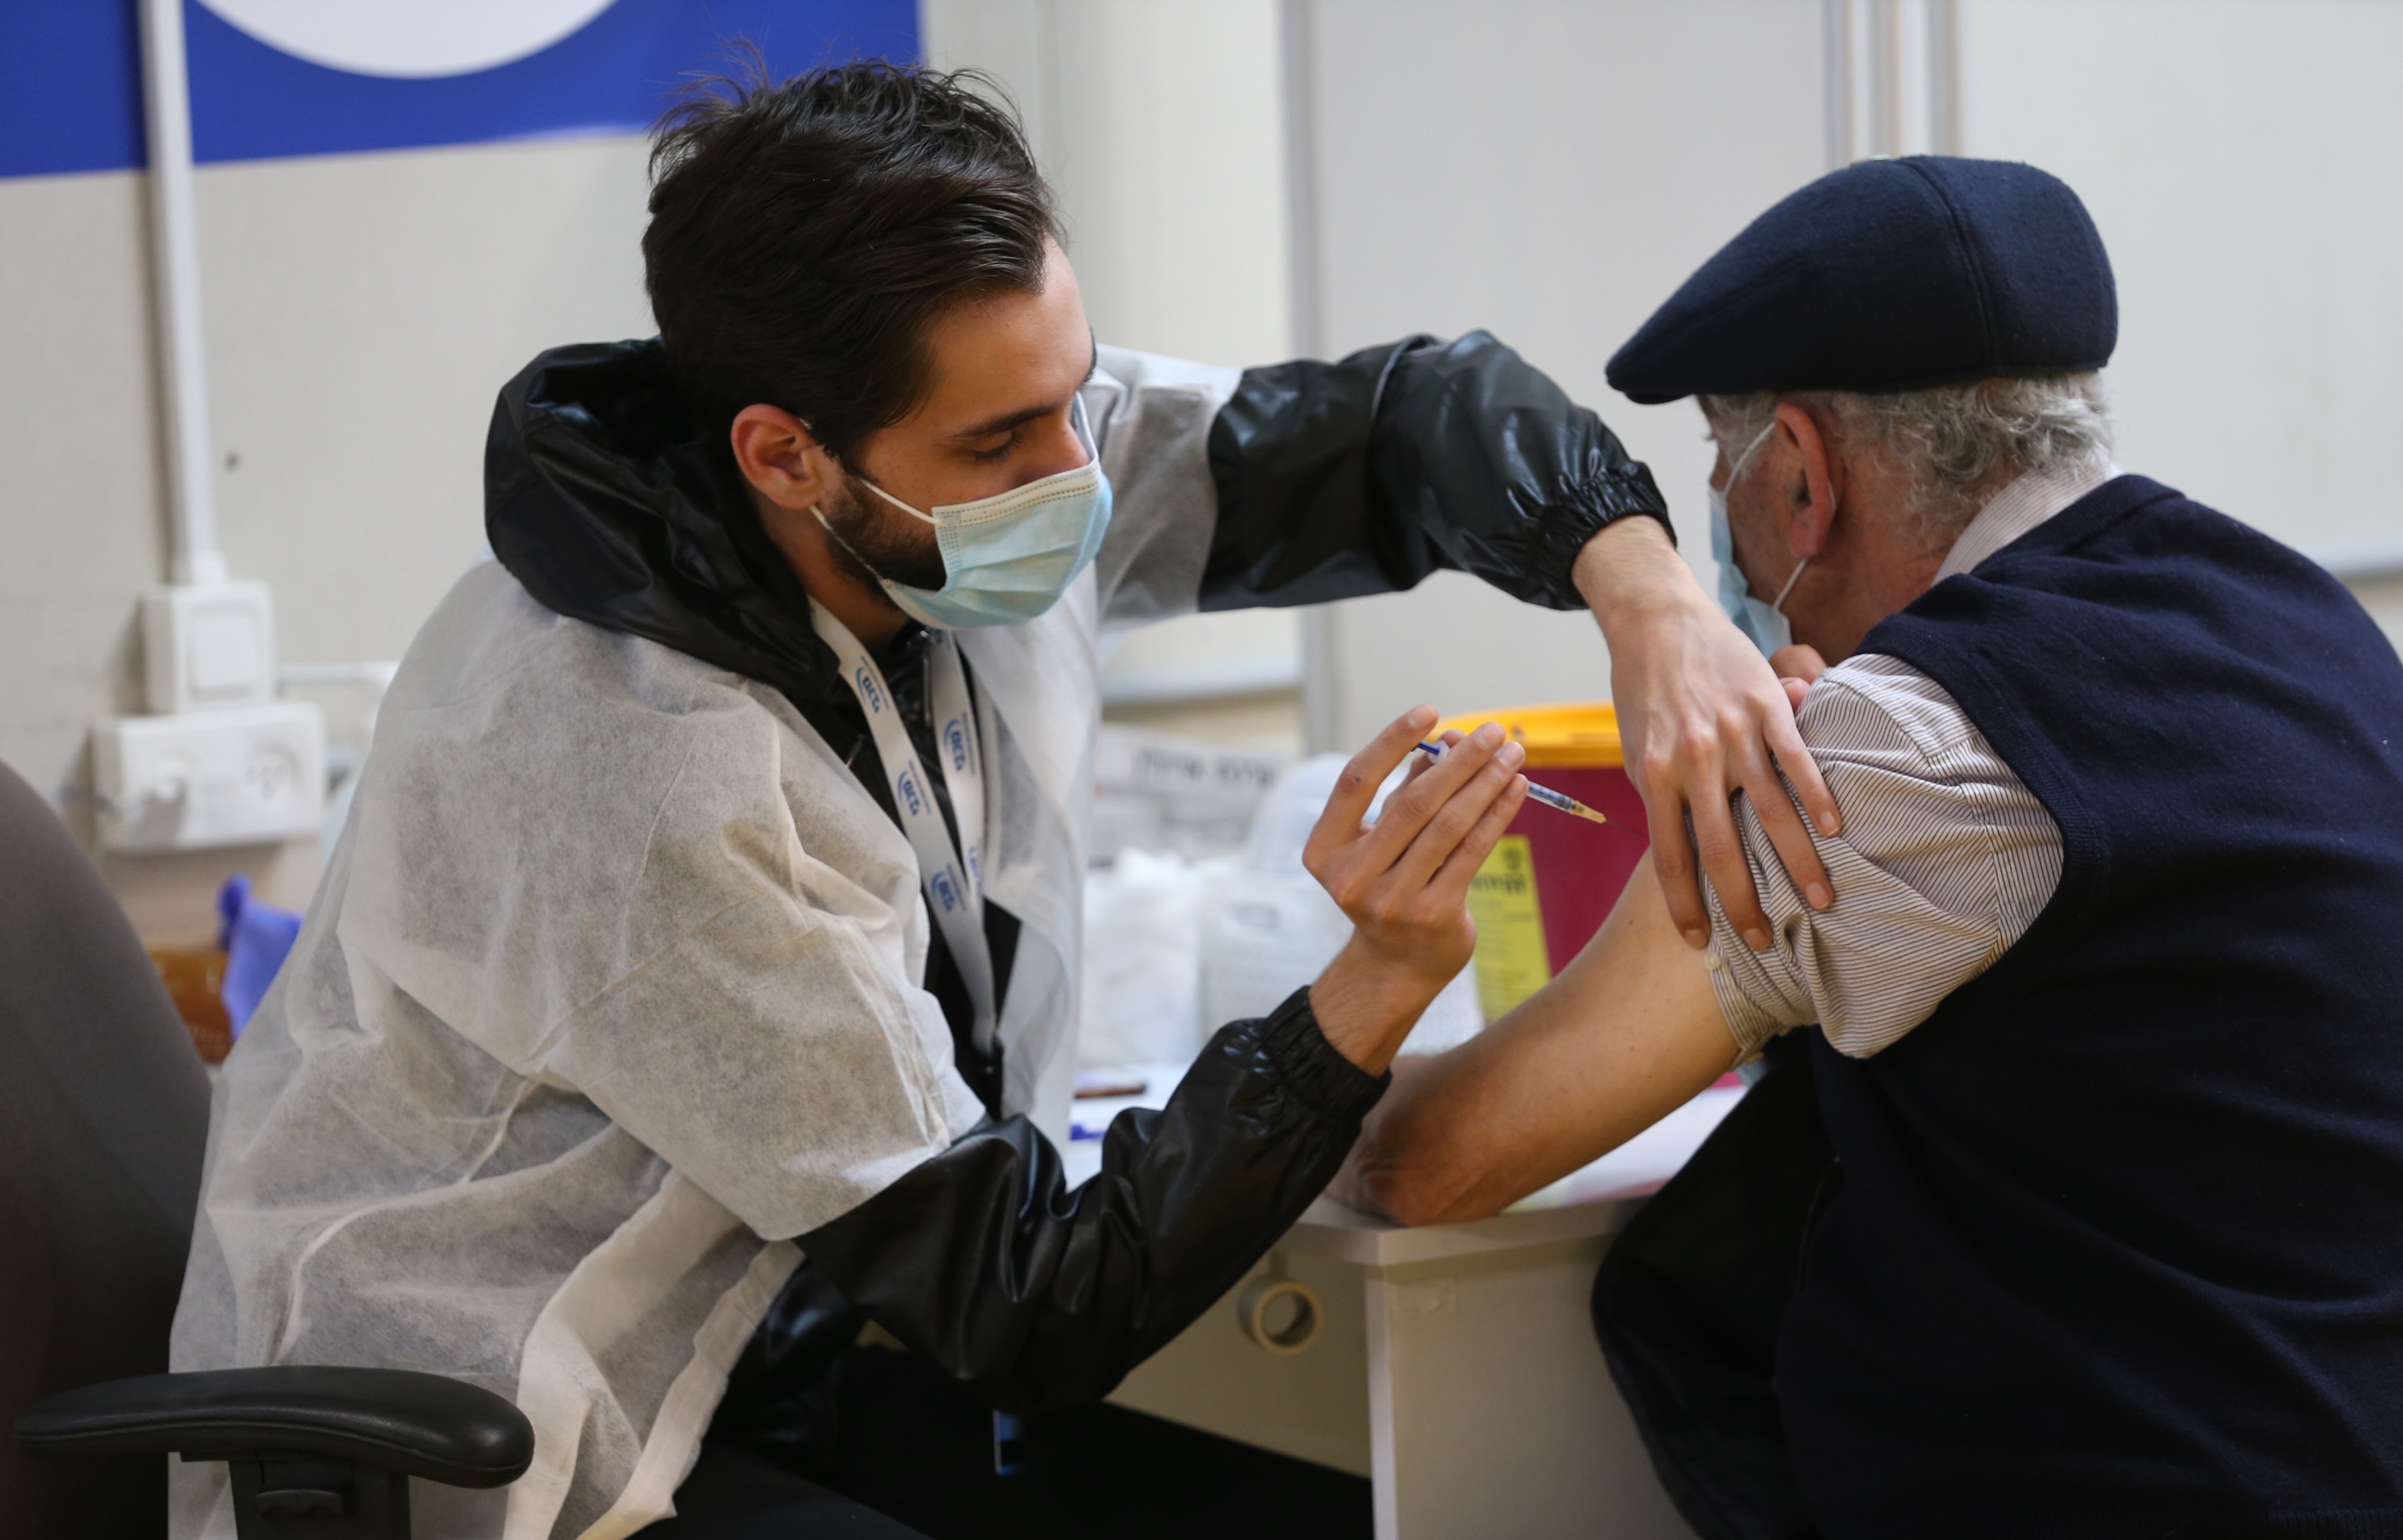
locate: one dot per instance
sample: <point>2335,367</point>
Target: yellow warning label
<point>1511,961</point>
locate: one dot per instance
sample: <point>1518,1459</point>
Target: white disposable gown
<point>612,989</point>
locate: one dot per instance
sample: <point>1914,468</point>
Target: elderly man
<point>2108,1013</point>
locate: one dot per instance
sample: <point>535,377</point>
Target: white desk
<point>1456,1366</point>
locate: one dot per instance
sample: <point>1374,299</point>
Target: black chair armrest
<point>395,1419</point>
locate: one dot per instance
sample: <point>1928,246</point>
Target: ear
<point>1810,483</point>
<point>782,458</point>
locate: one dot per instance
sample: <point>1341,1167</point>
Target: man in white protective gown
<point>694,983</point>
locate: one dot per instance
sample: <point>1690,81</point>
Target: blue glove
<point>256,938</point>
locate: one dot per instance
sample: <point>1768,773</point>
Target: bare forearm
<point>1366,1007</point>
<point>1701,715</point>
<point>1430,1155</point>
<point>1629,573</point>
<point>1628,1033</point>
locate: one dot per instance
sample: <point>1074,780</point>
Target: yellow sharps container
<point>1551,881</point>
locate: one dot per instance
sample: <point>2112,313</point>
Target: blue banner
<point>70,87</point>
<point>71,78</point>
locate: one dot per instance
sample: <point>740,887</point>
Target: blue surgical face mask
<point>1009,557</point>
<point>1766,624</point>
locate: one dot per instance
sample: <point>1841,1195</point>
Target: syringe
<point>1557,802</point>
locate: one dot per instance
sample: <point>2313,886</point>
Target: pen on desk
<point>1557,802</point>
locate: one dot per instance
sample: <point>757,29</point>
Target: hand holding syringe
<point>1402,878</point>
<point>1558,801</point>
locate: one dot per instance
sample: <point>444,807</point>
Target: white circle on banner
<point>409,39</point>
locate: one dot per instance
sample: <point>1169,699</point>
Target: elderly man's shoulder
<point>1875,708</point>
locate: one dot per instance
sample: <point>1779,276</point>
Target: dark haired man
<point>699,961</point>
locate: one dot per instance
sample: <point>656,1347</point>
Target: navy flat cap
<point>1884,276</point>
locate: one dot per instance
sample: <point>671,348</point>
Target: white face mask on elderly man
<point>1766,624</point>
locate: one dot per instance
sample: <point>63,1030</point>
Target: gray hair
<point>1960,444</point>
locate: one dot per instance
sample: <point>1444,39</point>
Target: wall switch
<point>236,776</point>
<point>206,647</point>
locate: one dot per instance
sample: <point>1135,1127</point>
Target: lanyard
<point>953,880</point>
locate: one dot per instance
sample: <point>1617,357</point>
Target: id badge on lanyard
<point>952,879</point>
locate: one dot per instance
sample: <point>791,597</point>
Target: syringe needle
<point>1557,802</point>
<point>1560,802</point>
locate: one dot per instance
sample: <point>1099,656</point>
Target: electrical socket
<point>236,776</point>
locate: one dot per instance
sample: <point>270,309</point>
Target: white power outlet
<point>238,776</point>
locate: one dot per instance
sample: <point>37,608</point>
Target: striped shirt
<point>1946,856</point>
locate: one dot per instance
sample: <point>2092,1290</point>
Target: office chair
<point>104,1114</point>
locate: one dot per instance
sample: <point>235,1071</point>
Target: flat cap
<point>1884,276</point>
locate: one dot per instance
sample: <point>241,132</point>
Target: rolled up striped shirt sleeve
<point>1945,860</point>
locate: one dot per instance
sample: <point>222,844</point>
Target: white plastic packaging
<point>1268,927</point>
<point>1143,963</point>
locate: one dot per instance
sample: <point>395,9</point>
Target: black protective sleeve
<point>986,1261</point>
<point>1361,476</point>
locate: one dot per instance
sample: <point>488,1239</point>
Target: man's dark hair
<point>804,235</point>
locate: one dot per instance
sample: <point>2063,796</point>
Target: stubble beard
<point>873,541</point>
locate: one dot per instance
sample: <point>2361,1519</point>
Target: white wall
<point>2244,160</point>
<point>1552,169</point>
<point>1159,123</point>
<point>81,522</point>
<point>1549,170</point>
<point>361,313</point>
